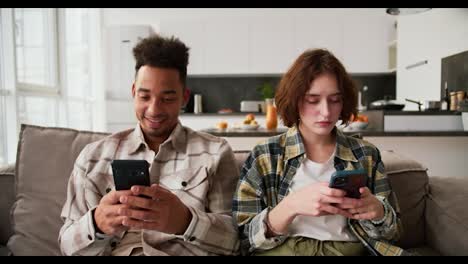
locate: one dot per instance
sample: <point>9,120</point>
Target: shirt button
<point>192,239</point>
<point>113,244</point>
<point>108,190</point>
<point>184,183</point>
<point>90,237</point>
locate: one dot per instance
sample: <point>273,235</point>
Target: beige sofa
<point>433,211</point>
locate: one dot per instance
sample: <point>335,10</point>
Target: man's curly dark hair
<point>162,52</point>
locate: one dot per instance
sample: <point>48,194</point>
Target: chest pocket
<point>190,185</point>
<point>185,180</point>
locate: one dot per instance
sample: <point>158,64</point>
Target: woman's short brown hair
<point>297,80</point>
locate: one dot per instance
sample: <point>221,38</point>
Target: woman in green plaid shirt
<point>283,205</point>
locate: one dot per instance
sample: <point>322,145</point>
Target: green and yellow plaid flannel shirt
<point>268,172</point>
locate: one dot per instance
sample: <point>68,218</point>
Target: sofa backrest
<point>44,163</point>
<point>410,182</point>
<point>45,160</point>
<point>7,180</point>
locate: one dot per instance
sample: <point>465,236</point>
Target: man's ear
<point>186,95</point>
<point>133,90</point>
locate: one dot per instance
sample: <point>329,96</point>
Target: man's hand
<point>106,215</point>
<point>160,210</point>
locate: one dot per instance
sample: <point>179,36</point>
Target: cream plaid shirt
<point>199,168</point>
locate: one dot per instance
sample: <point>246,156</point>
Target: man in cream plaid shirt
<point>193,175</point>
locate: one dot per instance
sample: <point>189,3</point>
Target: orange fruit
<point>222,125</point>
<point>250,117</point>
<point>363,118</point>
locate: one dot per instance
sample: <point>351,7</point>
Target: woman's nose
<point>325,109</point>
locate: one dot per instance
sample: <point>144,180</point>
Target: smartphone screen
<point>349,181</point>
<point>130,172</point>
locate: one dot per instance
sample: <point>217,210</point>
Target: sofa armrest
<point>4,251</point>
<point>7,198</point>
<point>446,215</point>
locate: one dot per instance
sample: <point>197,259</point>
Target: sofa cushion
<point>7,197</point>
<point>45,160</point>
<point>446,215</point>
<point>409,181</point>
<point>241,156</point>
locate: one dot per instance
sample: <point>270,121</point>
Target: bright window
<point>2,127</point>
<point>36,49</point>
<point>51,58</point>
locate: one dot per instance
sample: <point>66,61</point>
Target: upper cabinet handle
<point>416,64</point>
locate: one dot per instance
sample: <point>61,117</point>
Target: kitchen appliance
<point>426,105</point>
<point>252,106</point>
<point>197,106</point>
<point>386,104</point>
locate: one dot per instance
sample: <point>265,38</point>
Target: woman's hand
<point>368,207</point>
<point>316,199</point>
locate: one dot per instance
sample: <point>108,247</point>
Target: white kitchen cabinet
<point>120,62</point>
<point>319,30</point>
<point>416,61</point>
<point>366,34</point>
<point>192,33</point>
<point>227,46</point>
<point>271,44</point>
<point>423,40</point>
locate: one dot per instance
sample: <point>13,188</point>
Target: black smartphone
<point>130,172</point>
<point>349,181</point>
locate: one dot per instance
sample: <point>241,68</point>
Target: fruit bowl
<point>250,127</point>
<point>358,125</point>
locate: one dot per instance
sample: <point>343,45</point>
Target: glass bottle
<point>271,114</point>
<point>446,100</point>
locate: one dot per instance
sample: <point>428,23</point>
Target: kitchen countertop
<point>261,132</point>
<point>385,112</point>
<point>223,114</point>
<point>432,112</point>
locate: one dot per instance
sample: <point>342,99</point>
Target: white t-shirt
<point>328,227</point>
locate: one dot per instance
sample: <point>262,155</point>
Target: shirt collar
<point>177,138</point>
<point>294,145</point>
<point>136,139</point>
<point>343,148</point>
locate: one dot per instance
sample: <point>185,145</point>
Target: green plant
<point>267,90</point>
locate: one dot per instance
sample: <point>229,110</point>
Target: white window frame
<point>8,73</point>
<point>3,94</point>
<point>14,90</point>
<point>32,88</point>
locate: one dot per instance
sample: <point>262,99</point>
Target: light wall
<point>430,36</point>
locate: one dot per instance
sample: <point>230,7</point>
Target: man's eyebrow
<point>167,91</point>
<point>143,90</point>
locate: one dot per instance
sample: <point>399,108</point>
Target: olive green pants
<point>303,246</point>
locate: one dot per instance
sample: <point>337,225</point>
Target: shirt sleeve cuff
<point>197,227</point>
<point>386,212</point>
<point>96,236</point>
<point>259,230</point>
<point>87,235</point>
<point>378,229</point>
